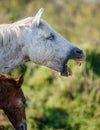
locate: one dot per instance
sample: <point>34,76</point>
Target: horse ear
<point>20,80</point>
<point>36,19</point>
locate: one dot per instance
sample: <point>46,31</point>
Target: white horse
<point>35,40</point>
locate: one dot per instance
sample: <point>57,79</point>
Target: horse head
<point>45,46</point>
<point>35,40</point>
<point>14,106</point>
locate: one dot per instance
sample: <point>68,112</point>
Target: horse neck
<point>11,53</point>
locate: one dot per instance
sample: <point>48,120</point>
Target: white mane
<point>9,32</point>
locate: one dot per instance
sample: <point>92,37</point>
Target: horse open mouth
<point>66,71</point>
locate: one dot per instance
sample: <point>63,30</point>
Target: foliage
<point>55,102</point>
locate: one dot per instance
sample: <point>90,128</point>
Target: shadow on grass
<point>53,119</point>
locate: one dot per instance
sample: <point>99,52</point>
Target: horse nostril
<point>23,126</point>
<point>78,51</point>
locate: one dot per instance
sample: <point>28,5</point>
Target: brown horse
<point>12,101</point>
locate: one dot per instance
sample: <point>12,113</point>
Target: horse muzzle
<point>75,54</point>
<point>23,126</point>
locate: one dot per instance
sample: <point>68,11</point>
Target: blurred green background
<point>55,102</point>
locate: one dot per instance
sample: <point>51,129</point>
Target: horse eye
<point>51,37</point>
<point>24,101</point>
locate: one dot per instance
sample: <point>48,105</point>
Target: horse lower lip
<point>66,71</point>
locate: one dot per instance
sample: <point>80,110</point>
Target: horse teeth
<point>79,62</point>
